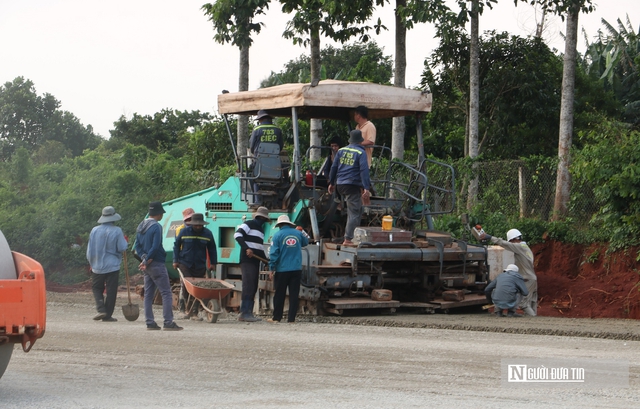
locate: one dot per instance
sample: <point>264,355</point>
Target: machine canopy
<point>330,99</point>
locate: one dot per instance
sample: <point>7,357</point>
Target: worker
<point>186,216</point>
<point>285,263</point>
<point>250,237</point>
<point>523,258</point>
<point>350,174</point>
<point>506,291</point>
<point>368,129</point>
<point>335,144</point>
<point>104,253</point>
<point>149,248</point>
<point>190,250</point>
<point>265,132</point>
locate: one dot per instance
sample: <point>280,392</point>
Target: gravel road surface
<point>399,361</point>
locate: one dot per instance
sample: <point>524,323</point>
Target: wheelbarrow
<point>209,299</point>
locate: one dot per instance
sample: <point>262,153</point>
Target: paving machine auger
<point>23,303</point>
<point>407,264</point>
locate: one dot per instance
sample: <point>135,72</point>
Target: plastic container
<point>387,223</point>
<point>477,232</point>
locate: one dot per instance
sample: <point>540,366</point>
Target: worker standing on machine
<point>350,173</point>
<point>368,129</point>
<point>335,144</point>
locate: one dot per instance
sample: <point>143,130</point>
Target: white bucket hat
<point>284,219</point>
<point>109,215</point>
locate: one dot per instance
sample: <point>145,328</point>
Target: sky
<point>102,60</point>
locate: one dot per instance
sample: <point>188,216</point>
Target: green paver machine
<point>418,267</point>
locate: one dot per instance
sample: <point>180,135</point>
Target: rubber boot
<point>243,310</point>
<point>193,314</point>
<point>181,305</point>
<point>181,308</point>
<point>249,317</point>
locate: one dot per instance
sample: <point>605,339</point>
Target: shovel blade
<point>131,312</point>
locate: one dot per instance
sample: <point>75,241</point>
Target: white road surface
<point>81,363</point>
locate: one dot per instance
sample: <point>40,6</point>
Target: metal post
<point>296,144</point>
<point>314,223</point>
<point>522,192</point>
<point>233,145</point>
<point>420,140</point>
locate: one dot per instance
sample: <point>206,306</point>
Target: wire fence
<point>520,189</point>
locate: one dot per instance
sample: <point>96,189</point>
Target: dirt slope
<point>585,282</point>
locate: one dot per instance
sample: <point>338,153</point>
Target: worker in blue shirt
<point>265,132</point>
<point>285,262</point>
<point>104,253</point>
<point>350,173</point>
<point>149,248</point>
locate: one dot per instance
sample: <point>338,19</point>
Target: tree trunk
<point>316,124</point>
<point>563,179</point>
<point>540,26</point>
<point>399,76</point>
<point>474,102</point>
<point>243,120</point>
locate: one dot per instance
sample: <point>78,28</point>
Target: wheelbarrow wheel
<point>213,305</point>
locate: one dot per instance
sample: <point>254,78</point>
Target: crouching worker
<point>523,257</point>
<point>506,291</point>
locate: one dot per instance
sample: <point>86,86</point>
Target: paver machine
<point>398,260</point>
<point>23,303</point>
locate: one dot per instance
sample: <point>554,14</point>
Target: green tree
<point>518,103</point>
<point>209,146</point>
<point>51,216</point>
<point>337,20</point>
<point>234,23</point>
<point>351,62</point>
<point>21,168</point>
<point>614,58</point>
<point>29,120</point>
<point>165,131</point>
<point>616,182</point>
<point>569,9</point>
<point>407,13</point>
<point>51,152</point>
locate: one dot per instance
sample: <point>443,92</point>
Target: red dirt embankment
<point>585,282</point>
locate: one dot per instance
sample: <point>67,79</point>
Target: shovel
<point>131,311</point>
